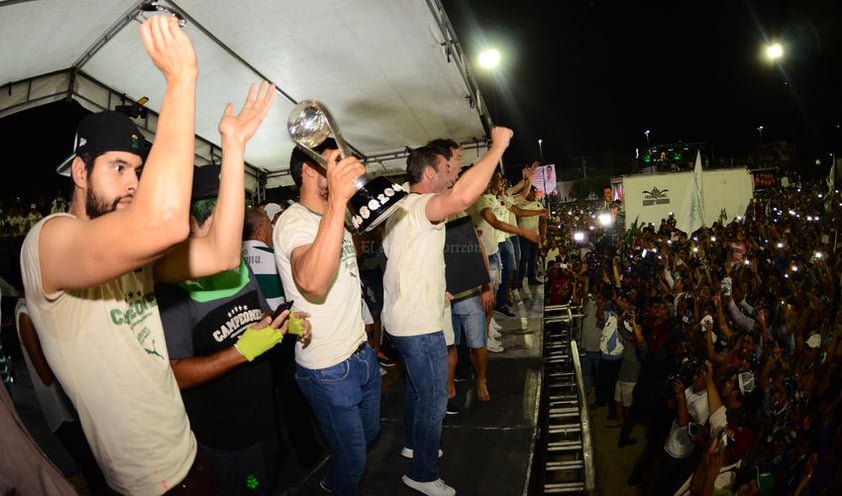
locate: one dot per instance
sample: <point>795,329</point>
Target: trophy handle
<point>310,124</point>
<point>334,129</point>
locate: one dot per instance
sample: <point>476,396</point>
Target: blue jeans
<point>469,318</point>
<point>590,368</point>
<point>528,259</point>
<point>507,257</point>
<point>494,270</point>
<point>346,401</point>
<point>516,252</point>
<point>425,361</point>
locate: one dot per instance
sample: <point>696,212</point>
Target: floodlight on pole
<point>489,59</point>
<point>774,51</point>
<point>646,133</point>
<point>540,150</point>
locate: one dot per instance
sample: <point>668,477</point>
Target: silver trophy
<point>376,198</point>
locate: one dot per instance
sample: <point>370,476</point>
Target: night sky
<point>589,77</point>
<point>35,142</point>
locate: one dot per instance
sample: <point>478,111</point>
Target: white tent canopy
<point>391,72</point>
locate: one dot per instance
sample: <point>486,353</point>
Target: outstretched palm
<point>242,126</point>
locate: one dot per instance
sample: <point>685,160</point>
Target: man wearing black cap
<point>225,378</point>
<point>89,274</point>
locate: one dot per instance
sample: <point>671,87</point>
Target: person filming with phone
<point>218,329</point>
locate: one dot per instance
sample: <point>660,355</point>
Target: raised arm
<point>472,183</point>
<point>314,265</point>
<point>80,254</point>
<point>221,249</point>
<point>523,185</point>
<point>721,320</point>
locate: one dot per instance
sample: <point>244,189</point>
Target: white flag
<point>692,214</point>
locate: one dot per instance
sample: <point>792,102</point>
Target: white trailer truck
<point>652,197</point>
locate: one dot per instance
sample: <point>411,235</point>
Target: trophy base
<point>373,203</point>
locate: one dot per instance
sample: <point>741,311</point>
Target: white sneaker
<point>432,488</point>
<point>494,333</point>
<point>409,452</point>
<point>494,346</point>
<point>496,325</point>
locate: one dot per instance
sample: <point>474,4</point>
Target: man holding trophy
<point>337,371</point>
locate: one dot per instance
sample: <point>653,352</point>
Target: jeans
<point>528,260</point>
<point>494,270</point>
<point>425,360</point>
<point>516,252</point>
<point>590,368</point>
<point>346,401</point>
<point>469,319</point>
<point>506,256</point>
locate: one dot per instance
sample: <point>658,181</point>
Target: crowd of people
<point>17,221</point>
<point>720,349</point>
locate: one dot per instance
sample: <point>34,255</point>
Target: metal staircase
<point>563,452</point>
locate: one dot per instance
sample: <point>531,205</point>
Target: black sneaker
<point>452,407</point>
<point>385,360</point>
<point>504,311</point>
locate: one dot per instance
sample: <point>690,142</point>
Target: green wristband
<point>254,342</point>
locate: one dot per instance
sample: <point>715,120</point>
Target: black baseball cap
<point>205,182</point>
<point>105,131</point>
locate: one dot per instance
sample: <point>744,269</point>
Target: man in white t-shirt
<point>89,274</point>
<point>414,295</point>
<point>338,372</point>
<point>528,249</point>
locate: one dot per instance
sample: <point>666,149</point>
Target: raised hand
<point>169,47</point>
<point>239,128</point>
<point>501,136</point>
<point>341,176</point>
